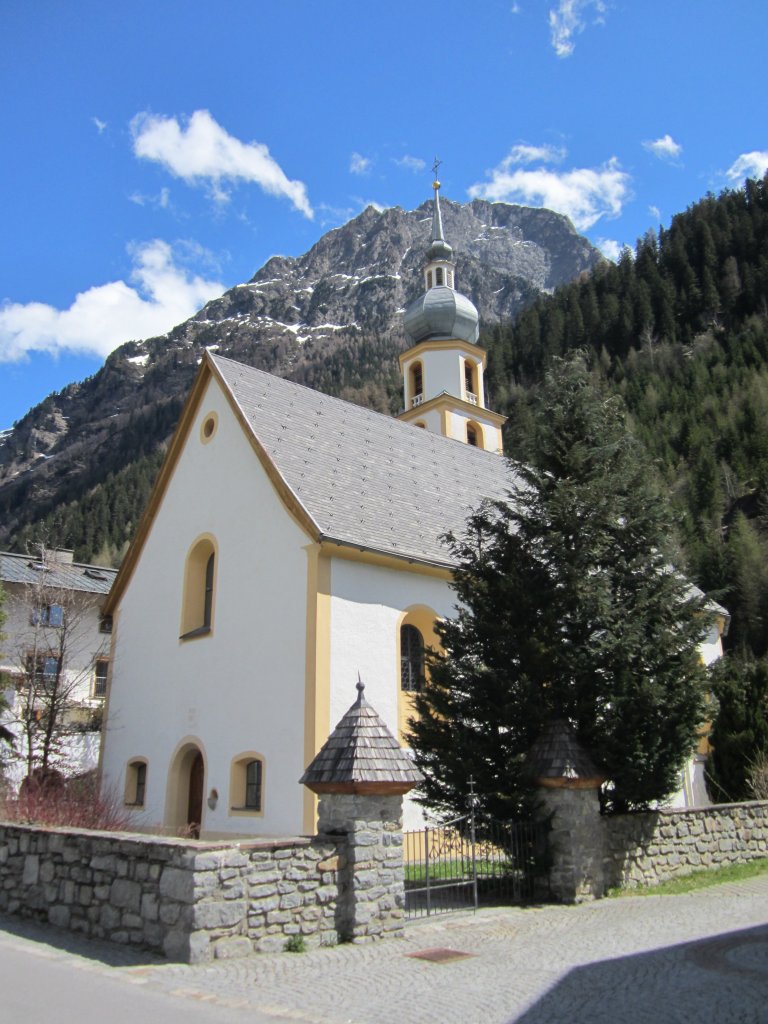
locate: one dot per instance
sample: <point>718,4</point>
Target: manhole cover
<point>440,955</point>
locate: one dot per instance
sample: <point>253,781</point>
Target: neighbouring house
<point>54,659</point>
<point>292,544</point>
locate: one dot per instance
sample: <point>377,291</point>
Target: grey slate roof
<point>58,575</point>
<point>365,479</point>
<point>362,750</point>
<point>557,758</point>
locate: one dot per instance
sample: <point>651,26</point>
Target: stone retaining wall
<point>187,899</point>
<point>651,847</point>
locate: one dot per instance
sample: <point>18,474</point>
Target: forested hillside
<point>680,329</point>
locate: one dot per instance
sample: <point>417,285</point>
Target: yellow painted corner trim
<point>317,680</point>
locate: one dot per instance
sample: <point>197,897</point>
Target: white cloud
<point>515,9</point>
<point>359,164</point>
<point>365,203</point>
<point>162,200</point>
<point>522,153</point>
<point>585,194</point>
<point>411,163</point>
<point>664,148</point>
<point>610,248</point>
<point>163,293</point>
<point>202,152</point>
<point>748,165</point>
<point>568,19</point>
<point>100,125</point>
<point>655,212</point>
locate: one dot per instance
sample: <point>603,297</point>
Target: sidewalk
<point>701,956</point>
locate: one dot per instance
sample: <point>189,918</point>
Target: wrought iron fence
<point>464,863</point>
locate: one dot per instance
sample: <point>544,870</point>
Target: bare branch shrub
<point>59,802</point>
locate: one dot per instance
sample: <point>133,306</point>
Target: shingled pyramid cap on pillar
<point>361,756</point>
<point>558,761</point>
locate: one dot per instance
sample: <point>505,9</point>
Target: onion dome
<point>441,312</point>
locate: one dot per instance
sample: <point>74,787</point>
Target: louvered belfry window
<point>411,659</point>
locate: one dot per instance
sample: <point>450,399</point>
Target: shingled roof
<point>557,760</point>
<point>365,479</point>
<point>361,756</point>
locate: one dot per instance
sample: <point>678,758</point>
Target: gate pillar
<point>567,783</point>
<point>361,774</point>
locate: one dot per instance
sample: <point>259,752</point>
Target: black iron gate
<point>463,863</point>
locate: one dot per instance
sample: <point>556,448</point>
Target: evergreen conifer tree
<point>569,607</point>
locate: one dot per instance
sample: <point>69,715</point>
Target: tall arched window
<point>417,384</point>
<point>199,586</point>
<point>471,435</point>
<point>438,275</point>
<point>411,659</point>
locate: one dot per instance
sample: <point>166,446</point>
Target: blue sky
<point>157,153</point>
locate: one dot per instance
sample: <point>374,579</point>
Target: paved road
<point>660,960</point>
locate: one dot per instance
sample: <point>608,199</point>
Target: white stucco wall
<point>367,606</point>
<point>241,688</point>
<point>442,372</point>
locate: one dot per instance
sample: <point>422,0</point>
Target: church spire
<point>443,367</point>
<point>439,248</point>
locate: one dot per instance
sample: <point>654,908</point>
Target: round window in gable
<point>208,429</point>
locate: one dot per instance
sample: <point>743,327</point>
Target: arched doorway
<point>195,795</point>
<point>186,788</point>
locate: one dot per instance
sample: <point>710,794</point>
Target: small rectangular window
<point>253,786</point>
<point>105,624</point>
<point>48,615</point>
<point>141,784</point>
<point>101,668</point>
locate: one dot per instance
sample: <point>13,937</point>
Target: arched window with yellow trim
<point>415,635</point>
<point>246,784</point>
<point>411,659</point>
<point>199,589</point>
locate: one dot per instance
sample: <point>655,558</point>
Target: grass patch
<point>698,880</point>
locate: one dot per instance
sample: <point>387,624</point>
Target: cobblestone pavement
<point>655,959</point>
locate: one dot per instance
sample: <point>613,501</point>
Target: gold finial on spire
<point>435,167</point>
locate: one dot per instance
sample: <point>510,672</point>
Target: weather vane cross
<point>436,166</point>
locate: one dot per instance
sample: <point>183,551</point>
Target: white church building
<point>292,542</point>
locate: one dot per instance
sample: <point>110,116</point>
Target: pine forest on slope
<point>679,328</point>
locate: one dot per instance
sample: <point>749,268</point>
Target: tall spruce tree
<point>568,607</point>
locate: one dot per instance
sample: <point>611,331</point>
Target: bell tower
<point>443,368</point>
